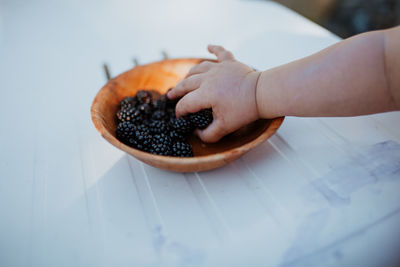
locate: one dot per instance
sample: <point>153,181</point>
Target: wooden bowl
<point>159,77</point>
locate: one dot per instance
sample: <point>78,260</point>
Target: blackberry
<point>143,129</point>
<point>125,131</point>
<point>182,126</point>
<point>171,120</point>
<point>124,113</point>
<point>146,122</point>
<point>175,136</point>
<point>151,125</point>
<point>181,149</point>
<point>158,127</point>
<point>159,115</point>
<point>160,149</point>
<point>135,144</point>
<point>201,119</point>
<point>144,97</point>
<point>162,138</point>
<point>129,115</point>
<point>171,112</point>
<point>161,103</point>
<point>145,109</point>
<point>141,141</point>
<point>128,102</point>
<point>161,145</point>
<point>171,103</point>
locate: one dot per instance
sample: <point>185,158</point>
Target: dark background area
<point>348,17</point>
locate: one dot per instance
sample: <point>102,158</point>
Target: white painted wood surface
<point>321,192</point>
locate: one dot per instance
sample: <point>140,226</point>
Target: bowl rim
<point>97,120</point>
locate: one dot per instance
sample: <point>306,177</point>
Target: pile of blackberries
<point>150,125</point>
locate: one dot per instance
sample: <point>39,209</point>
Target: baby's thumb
<point>212,133</point>
<point>221,53</point>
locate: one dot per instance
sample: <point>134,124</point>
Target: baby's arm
<point>360,75</point>
<point>357,76</point>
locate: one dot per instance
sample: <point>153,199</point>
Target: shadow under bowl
<point>159,77</point>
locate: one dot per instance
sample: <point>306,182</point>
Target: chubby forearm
<point>347,79</point>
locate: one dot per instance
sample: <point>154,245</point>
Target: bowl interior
<point>158,77</point>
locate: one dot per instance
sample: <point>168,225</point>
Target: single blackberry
<point>182,126</point>
<point>158,127</point>
<point>130,115</point>
<point>128,102</point>
<point>161,145</point>
<point>159,115</point>
<point>141,138</point>
<point>175,136</point>
<point>125,131</point>
<point>201,119</point>
<point>144,97</point>
<point>181,149</point>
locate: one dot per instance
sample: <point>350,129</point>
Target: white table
<point>321,192</point>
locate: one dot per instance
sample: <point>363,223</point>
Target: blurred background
<point>348,17</point>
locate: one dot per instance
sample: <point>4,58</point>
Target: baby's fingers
<point>221,53</point>
<point>185,86</point>
<point>212,133</point>
<point>191,103</point>
<point>200,68</point>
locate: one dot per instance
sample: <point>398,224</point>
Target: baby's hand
<point>226,86</point>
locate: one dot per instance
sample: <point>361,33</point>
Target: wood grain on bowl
<point>160,76</point>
